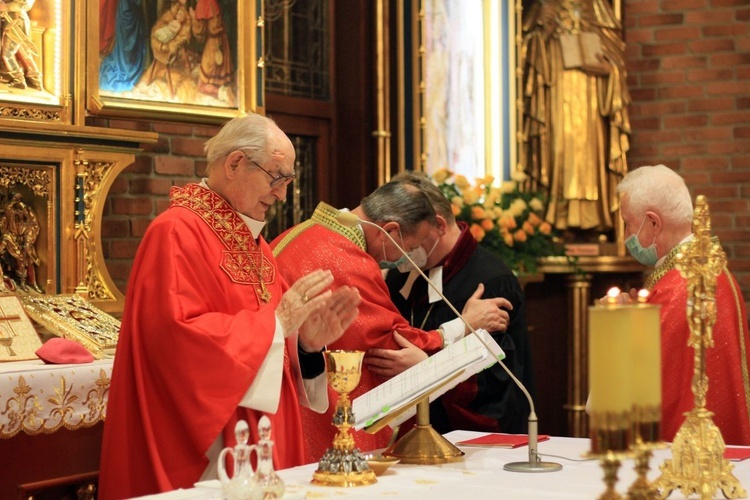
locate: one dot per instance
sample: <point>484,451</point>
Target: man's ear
<point>442,225</point>
<point>391,226</point>
<point>231,163</point>
<point>655,220</point>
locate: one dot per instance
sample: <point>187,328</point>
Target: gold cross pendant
<point>264,294</point>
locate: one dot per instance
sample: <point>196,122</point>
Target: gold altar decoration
<point>343,464</point>
<point>18,338</point>
<point>698,465</point>
<point>74,318</point>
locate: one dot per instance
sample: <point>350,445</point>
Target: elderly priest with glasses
<point>211,332</point>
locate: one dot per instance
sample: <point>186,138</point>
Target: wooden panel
<point>547,319</point>
<point>63,457</point>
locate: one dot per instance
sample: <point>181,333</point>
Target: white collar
<point>255,226</point>
<point>436,276</point>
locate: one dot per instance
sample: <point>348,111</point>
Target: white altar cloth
<point>38,398</point>
<point>479,476</point>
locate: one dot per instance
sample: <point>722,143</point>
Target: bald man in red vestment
<point>211,332</point>
<point>657,210</point>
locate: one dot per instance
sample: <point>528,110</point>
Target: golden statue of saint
<point>19,229</point>
<point>575,122</point>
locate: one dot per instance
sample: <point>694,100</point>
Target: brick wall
<point>688,64</point>
<point>141,191</point>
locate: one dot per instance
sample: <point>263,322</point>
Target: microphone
<point>534,464</point>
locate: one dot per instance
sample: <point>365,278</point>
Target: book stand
<point>422,445</point>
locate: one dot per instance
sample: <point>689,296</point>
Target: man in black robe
<point>488,401</point>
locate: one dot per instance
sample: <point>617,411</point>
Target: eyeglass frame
<point>276,181</point>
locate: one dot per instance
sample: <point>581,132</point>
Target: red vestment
<point>727,362</point>
<point>194,335</point>
<point>322,243</point>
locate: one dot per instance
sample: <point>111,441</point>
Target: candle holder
<point>610,434</point>
<point>646,438</point>
<point>343,464</point>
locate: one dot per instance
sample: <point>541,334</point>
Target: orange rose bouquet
<point>503,219</point>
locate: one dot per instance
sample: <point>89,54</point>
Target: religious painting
<point>74,318</point>
<point>34,61</point>
<point>18,337</point>
<point>166,58</point>
<point>466,87</point>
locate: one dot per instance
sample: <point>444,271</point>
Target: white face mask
<point>419,256</point>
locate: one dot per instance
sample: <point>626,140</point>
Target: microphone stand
<point>533,464</point>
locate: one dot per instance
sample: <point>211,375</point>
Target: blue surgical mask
<point>419,255</point>
<point>646,256</point>
<point>386,264</point>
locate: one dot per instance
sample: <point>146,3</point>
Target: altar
<point>480,475</point>
<point>51,422</point>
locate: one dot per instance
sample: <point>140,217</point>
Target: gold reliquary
<point>74,318</point>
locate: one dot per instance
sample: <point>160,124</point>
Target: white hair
<point>249,132</point>
<point>658,188</point>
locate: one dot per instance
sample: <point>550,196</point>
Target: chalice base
<point>344,479</point>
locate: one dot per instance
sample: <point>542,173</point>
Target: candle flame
<point>612,295</point>
<point>642,296</point>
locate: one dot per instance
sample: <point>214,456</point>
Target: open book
<point>583,50</point>
<point>460,360</point>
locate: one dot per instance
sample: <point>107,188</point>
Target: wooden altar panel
<point>49,466</point>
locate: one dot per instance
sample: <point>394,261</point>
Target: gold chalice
<point>343,464</point>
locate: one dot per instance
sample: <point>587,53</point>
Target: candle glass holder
<point>343,464</point>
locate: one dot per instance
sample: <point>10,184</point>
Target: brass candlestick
<point>698,464</point>
<point>610,434</point>
<point>646,438</point>
<point>343,464</point>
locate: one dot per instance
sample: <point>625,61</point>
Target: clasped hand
<point>319,314</point>
<point>490,314</point>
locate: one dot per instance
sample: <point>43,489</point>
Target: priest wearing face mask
<point>489,401</point>
<point>658,212</point>
<point>358,255</point>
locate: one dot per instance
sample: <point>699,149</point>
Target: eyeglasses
<point>276,180</point>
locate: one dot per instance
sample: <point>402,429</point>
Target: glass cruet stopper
<point>242,449</point>
<point>265,475</point>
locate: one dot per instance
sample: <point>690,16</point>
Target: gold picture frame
<point>167,78</point>
<point>74,318</point>
<point>19,339</point>
<point>35,86</point>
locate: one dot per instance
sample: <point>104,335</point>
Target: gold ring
<point>305,298</point>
